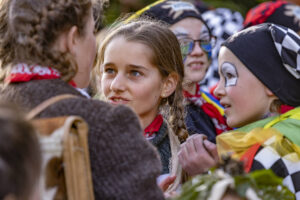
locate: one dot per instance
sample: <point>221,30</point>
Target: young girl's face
<point>196,62</point>
<point>243,96</point>
<point>129,77</point>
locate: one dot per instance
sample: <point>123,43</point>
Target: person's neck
<point>147,120</point>
<point>190,87</point>
<point>80,82</point>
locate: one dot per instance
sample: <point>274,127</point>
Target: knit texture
<point>120,156</point>
<point>162,142</point>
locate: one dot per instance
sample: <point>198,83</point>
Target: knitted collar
<point>151,130</point>
<point>22,72</point>
<point>217,118</point>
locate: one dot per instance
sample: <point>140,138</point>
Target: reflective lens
<point>187,45</point>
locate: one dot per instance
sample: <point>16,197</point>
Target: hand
<point>197,155</point>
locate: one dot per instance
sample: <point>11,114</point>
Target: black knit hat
<point>169,11</point>
<point>272,53</point>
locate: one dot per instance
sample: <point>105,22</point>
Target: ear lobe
<point>72,36</point>
<point>169,85</point>
<point>269,92</point>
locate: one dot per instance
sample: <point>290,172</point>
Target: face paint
<point>230,74</point>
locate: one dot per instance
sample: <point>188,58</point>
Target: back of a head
<point>30,28</point>
<point>20,157</point>
<point>271,53</point>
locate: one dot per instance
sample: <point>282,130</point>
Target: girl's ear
<point>72,40</point>
<point>269,92</point>
<point>169,85</point>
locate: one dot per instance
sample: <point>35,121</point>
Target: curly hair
<point>166,56</point>
<point>30,28</point>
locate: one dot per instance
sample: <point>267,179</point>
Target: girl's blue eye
<point>109,70</point>
<point>135,73</point>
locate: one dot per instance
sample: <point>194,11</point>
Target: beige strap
<point>42,106</point>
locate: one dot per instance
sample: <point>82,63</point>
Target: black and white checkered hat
<point>271,53</point>
<point>288,46</point>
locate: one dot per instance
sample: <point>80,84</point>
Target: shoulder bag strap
<point>42,106</point>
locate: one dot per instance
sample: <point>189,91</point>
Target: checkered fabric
<point>282,165</point>
<point>223,23</point>
<point>287,43</point>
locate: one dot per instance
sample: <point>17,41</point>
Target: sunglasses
<point>187,45</point>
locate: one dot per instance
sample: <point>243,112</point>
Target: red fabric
<point>248,157</point>
<point>153,127</point>
<point>261,13</point>
<point>285,108</point>
<point>23,73</point>
<point>218,120</point>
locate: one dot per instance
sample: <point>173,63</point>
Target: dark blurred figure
<point>20,157</point>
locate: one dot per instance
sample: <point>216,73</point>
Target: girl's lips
<point>196,65</point>
<point>118,100</point>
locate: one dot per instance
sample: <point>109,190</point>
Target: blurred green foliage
<point>118,8</point>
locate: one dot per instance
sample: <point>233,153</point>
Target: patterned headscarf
<point>271,53</point>
<point>276,12</point>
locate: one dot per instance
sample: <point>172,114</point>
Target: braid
<point>31,28</point>
<point>176,112</point>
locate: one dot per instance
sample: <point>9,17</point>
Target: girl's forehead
<point>188,29</point>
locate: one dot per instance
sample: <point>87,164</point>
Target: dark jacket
<point>162,142</point>
<point>120,156</point>
<point>197,121</point>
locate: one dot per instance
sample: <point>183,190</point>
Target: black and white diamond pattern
<point>283,166</point>
<point>223,23</point>
<point>287,43</point>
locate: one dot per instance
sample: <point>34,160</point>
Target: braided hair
<point>30,28</point>
<point>166,56</point>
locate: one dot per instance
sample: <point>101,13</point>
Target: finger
<point>194,143</point>
<point>164,185</point>
<point>198,144</point>
<point>211,149</point>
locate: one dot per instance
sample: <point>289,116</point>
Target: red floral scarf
<point>23,73</point>
<point>151,130</point>
<point>217,118</point>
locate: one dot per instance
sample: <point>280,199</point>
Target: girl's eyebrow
<point>140,67</point>
<point>130,65</point>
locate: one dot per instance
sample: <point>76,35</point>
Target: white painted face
<point>245,98</point>
<point>230,74</point>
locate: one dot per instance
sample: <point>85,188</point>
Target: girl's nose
<point>220,90</point>
<point>197,50</point>
<point>118,84</point>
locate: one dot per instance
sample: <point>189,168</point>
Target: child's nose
<point>219,90</point>
<point>118,84</point>
<point>197,50</point>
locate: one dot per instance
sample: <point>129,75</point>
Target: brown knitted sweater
<point>124,165</point>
